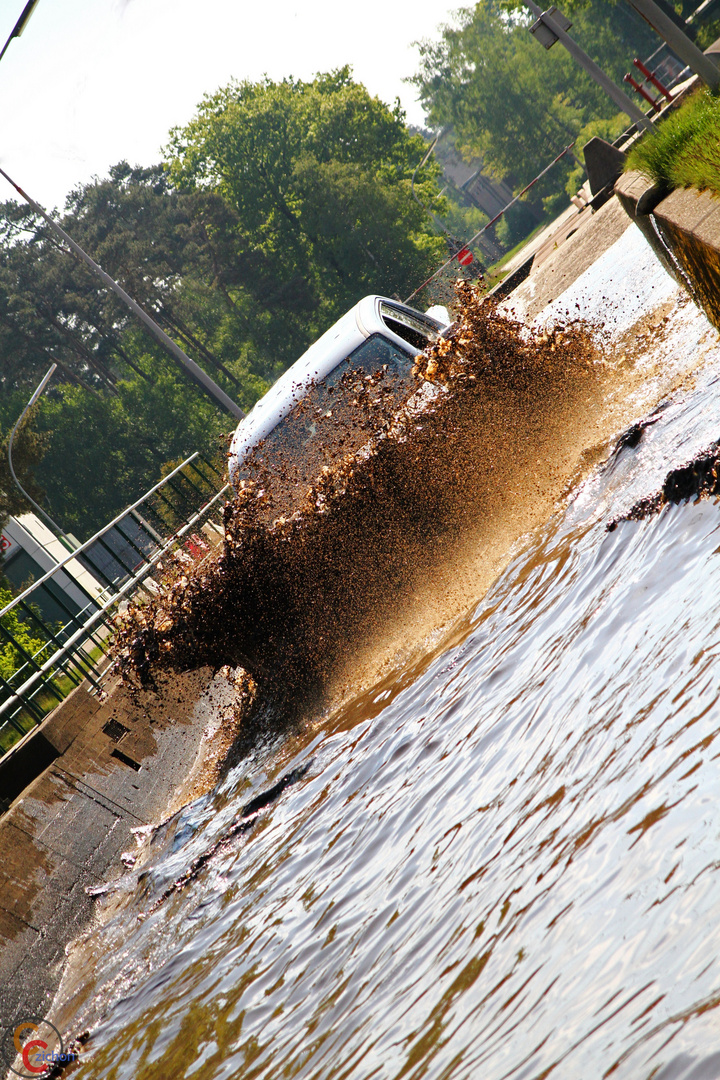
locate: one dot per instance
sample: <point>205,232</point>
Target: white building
<point>29,550</point>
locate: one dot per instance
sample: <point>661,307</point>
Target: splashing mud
<point>314,562</point>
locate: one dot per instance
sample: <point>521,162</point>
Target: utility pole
<point>552,26</point>
<point>22,490</point>
<point>679,42</point>
<point>196,373</point>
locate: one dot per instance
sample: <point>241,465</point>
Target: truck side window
<point>411,327</point>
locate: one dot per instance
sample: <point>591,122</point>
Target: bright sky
<point>91,82</point>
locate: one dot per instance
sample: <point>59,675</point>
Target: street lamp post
<point>18,422</point>
<point>20,24</point>
<point>552,26</point>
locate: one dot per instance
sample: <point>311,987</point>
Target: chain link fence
<point>184,510</point>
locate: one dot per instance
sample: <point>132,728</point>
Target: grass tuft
<point>684,149</point>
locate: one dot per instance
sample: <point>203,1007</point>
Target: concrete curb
<point>638,196</point>
<point>29,758</point>
<point>683,228</point>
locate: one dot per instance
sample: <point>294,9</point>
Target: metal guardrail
<point>121,557</point>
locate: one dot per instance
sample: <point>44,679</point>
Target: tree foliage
<point>318,177</point>
<point>11,655</point>
<point>28,450</point>
<point>510,101</point>
<point>158,244</point>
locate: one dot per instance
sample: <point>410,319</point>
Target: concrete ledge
<point>687,207</point>
<point>683,228</point>
<point>518,275</point>
<point>637,194</point>
<point>54,736</point>
<point>22,765</point>
<point>65,723</point>
<point>688,222</point>
<point>638,197</point>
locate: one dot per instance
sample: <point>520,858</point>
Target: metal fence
<point>183,510</point>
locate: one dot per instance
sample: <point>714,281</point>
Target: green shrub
<point>684,150</point>
<point>708,34</point>
<point>11,658</point>
<point>515,224</point>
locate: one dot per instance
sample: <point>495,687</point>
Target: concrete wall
<point>683,228</point>
<point>110,765</point>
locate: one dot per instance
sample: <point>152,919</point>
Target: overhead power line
<point>490,223</point>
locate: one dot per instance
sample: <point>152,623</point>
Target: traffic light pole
<point>679,42</point>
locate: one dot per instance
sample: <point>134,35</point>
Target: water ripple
<point>503,862</point>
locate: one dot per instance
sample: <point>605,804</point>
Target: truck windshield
<point>337,415</point>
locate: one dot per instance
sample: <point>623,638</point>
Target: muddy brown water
<point>498,854</point>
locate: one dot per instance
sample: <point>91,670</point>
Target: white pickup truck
<point>377,337</point>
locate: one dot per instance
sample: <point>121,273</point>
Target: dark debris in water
<point>697,479</point>
<point>72,1054</point>
<point>242,824</point>
<point>630,439</point>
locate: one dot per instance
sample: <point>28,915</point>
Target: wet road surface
<point>502,860</point>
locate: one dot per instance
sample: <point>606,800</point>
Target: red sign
<point>196,546</point>
<point>464,256</point>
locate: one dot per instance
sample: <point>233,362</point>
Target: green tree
<point>105,451</point>
<point>280,205</point>
<point>318,176</point>
<point>29,448</point>
<point>11,658</point>
<point>513,103</point>
<point>152,240</point>
<point>167,249</point>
